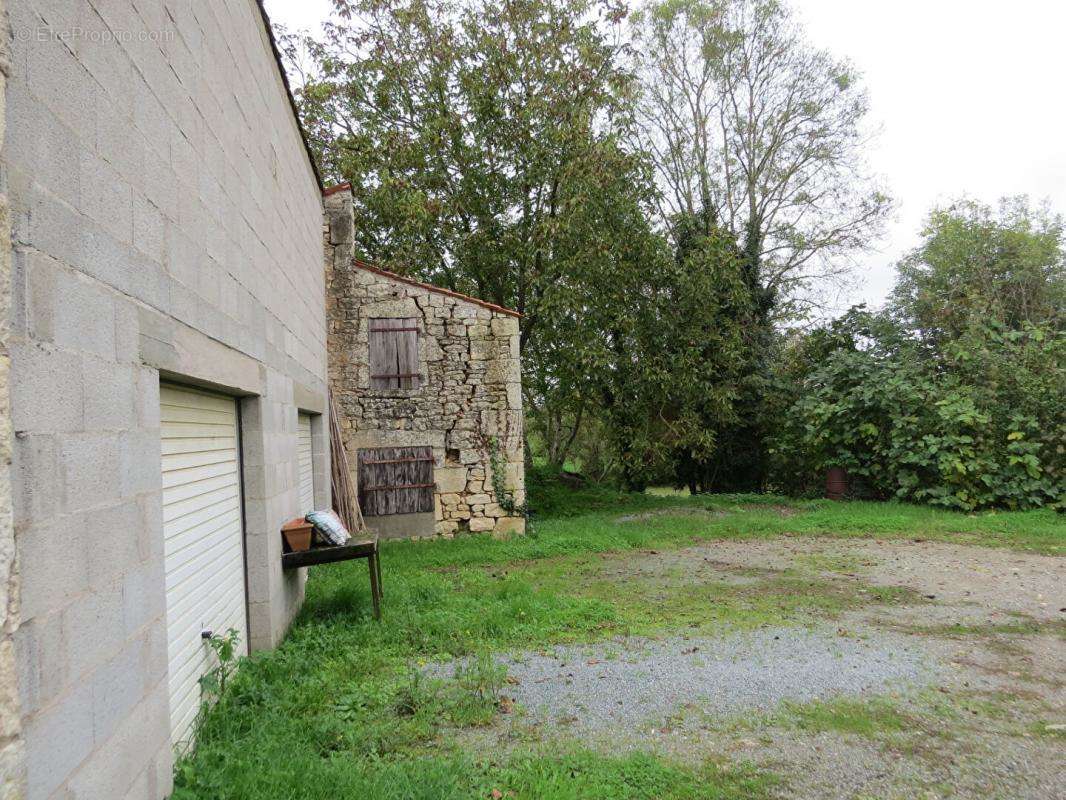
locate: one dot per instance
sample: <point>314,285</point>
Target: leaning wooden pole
<point>345,503</point>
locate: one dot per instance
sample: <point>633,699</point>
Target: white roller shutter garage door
<point>203,539</point>
<point>306,465</point>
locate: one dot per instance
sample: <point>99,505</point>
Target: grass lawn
<point>341,708</point>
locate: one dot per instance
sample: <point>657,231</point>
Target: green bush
<point>954,394</point>
<point>978,425</point>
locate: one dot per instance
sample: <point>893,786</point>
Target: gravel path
<point>620,685</point>
<point>985,639</point>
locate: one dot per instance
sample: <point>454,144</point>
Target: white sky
<point>970,96</point>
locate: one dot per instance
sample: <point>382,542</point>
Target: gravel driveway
<point>977,670</point>
<point>624,684</point>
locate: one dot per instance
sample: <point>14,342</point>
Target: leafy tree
<point>662,350</point>
<point>749,126</point>
<point>978,264</point>
<point>610,265</point>
<point>472,135</point>
<point>906,427</point>
<point>671,365</point>
<point>736,460</point>
<point>489,147</point>
<point>483,144</point>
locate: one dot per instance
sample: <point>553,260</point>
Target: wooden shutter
<point>395,480</point>
<point>394,353</point>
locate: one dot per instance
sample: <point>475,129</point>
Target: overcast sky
<point>970,97</point>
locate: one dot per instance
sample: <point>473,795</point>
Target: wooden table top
<point>362,548</point>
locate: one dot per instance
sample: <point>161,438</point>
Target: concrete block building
<point>162,375</point>
<point>428,383</point>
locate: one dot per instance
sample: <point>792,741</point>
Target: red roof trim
<point>393,276</point>
<point>340,187</point>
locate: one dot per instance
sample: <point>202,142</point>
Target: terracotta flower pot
<point>836,484</point>
<point>297,533</point>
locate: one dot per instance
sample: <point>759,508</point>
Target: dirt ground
<point>963,580</point>
<point>972,703</point>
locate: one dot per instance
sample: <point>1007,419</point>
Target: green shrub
<point>954,394</point>
<point>977,423</point>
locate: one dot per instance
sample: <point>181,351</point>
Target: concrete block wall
<point>165,224</point>
<point>12,775</point>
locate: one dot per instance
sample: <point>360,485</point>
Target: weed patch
<point>873,718</point>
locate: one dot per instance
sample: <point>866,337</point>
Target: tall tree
<point>471,134</point>
<point>668,348</point>
<point>742,116</point>
<point>482,141</point>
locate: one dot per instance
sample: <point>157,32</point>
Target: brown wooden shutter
<point>395,480</point>
<point>394,353</point>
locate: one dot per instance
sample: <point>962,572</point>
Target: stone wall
<point>11,751</point>
<point>166,223</point>
<point>468,403</point>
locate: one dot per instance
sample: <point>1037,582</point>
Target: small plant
<point>413,695</point>
<point>498,467</point>
<point>492,447</point>
<point>475,699</point>
<point>362,699</point>
<point>482,676</point>
<point>213,682</point>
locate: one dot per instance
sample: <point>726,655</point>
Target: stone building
<point>163,343</point>
<point>428,384</point>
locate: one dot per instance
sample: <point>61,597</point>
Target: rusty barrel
<point>836,483</point>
